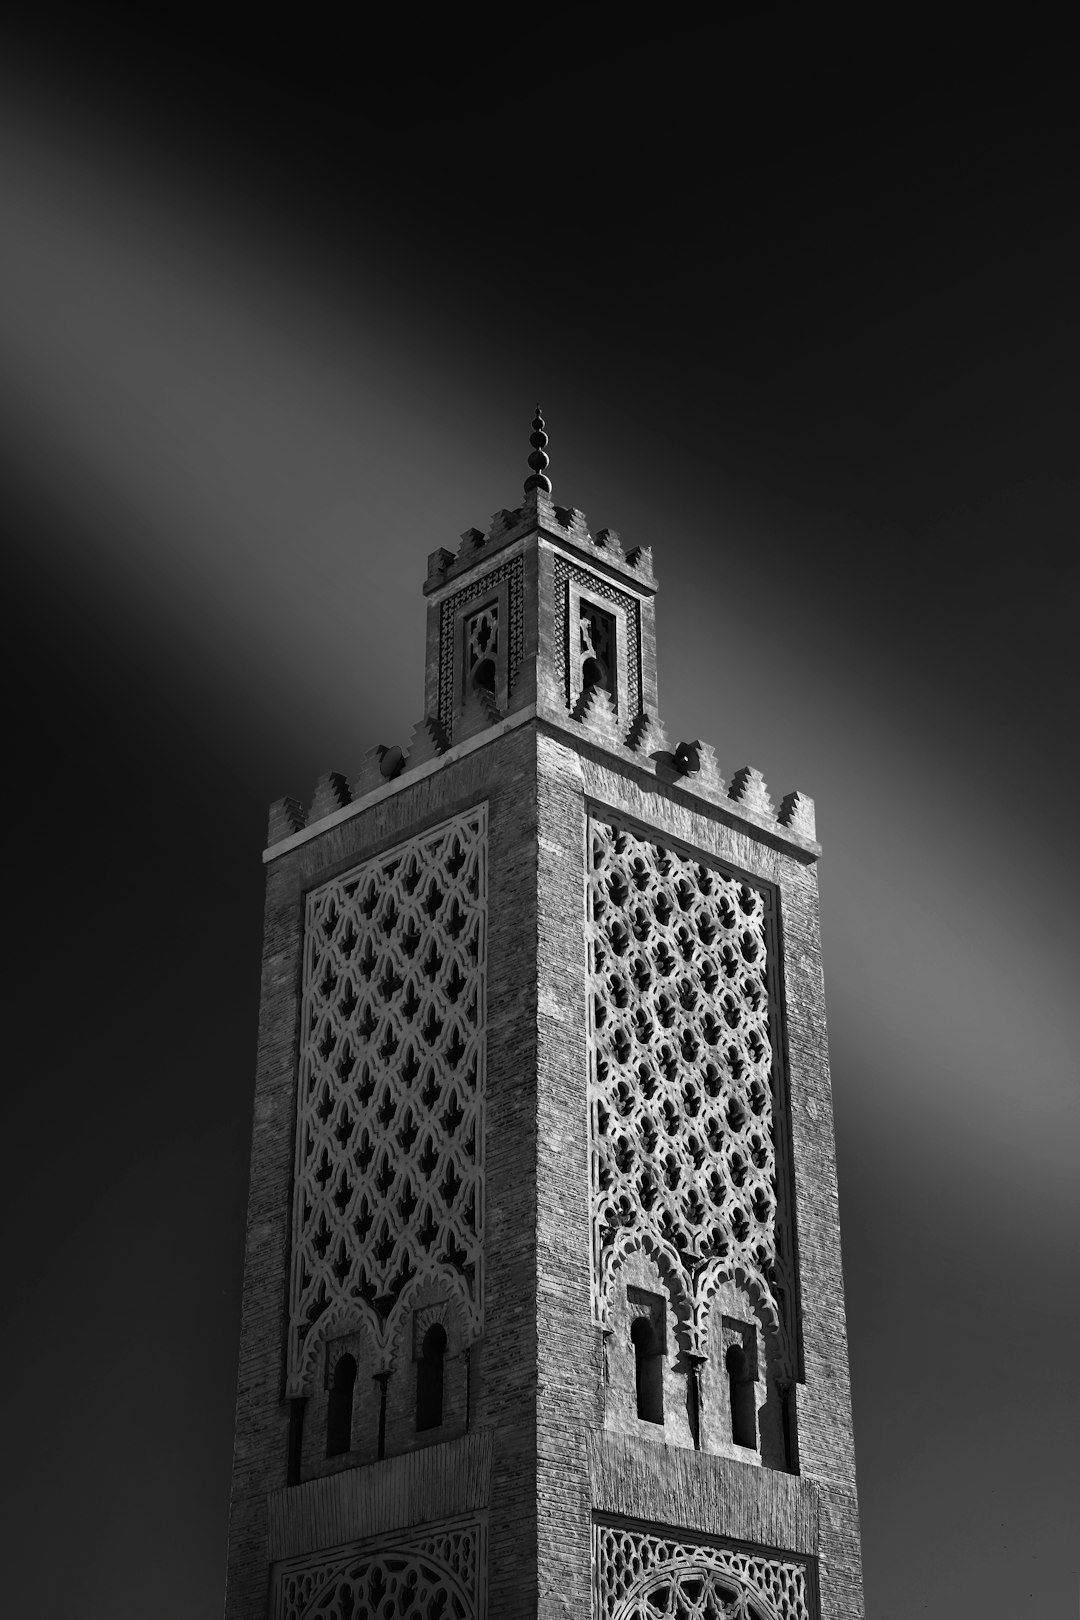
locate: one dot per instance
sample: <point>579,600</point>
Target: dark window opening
<point>339,1407</point>
<point>593,674</point>
<point>483,676</point>
<point>597,649</point>
<point>743,1401</point>
<point>649,1371</point>
<point>429,1378</point>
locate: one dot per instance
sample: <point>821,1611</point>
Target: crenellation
<point>370,774</point>
<point>438,562</point>
<point>647,736</point>
<point>575,523</point>
<point>286,818</point>
<point>502,523</point>
<point>697,762</point>
<point>748,790</point>
<point>797,813</point>
<point>479,713</point>
<point>428,741</point>
<point>595,709</point>
<point>331,793</point>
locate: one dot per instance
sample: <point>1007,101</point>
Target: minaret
<point>543,1311</point>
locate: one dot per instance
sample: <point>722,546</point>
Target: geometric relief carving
<point>513,572</point>
<point>567,648</point>
<point>388,1188</point>
<point>433,1576</point>
<point>687,1104</point>
<point>641,1576</point>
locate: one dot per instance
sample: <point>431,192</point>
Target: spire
<point>539,460</point>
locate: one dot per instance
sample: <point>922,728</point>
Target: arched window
<point>429,1378</point>
<point>339,1407</point>
<point>483,676</point>
<point>649,1371</point>
<point>742,1393</point>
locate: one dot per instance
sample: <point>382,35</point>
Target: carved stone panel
<point>388,1190</point>
<point>687,1101</point>
<point>435,1575</point>
<point>640,1576</point>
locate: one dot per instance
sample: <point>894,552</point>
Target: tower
<point>543,1310</point>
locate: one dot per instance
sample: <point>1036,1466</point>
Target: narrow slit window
<point>429,1378</point>
<point>742,1392</point>
<point>339,1407</point>
<point>648,1370</point>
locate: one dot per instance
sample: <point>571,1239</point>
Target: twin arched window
<point>429,1392</point>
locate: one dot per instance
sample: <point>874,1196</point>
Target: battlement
<point>539,514</point>
<point>691,767</point>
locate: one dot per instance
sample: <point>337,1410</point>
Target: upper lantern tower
<point>538,611</point>
<point>543,1311</point>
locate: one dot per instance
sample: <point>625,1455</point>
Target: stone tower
<point>543,1311</point>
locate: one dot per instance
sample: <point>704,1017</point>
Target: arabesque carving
<point>687,1110</point>
<point>389,1143</point>
<point>435,1576</point>
<point>643,1577</point>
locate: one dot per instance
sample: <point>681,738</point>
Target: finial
<point>538,461</point>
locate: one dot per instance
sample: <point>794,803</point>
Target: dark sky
<point>274,311</point>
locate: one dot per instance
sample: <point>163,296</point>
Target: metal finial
<point>539,460</point>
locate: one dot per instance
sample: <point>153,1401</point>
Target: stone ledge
<point>394,1494</point>
<point>691,1490</point>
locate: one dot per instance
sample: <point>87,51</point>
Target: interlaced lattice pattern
<point>435,1577</point>
<point>513,572</point>
<point>564,572</point>
<point>642,1577</point>
<point>688,1158</point>
<point>389,1142</point>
